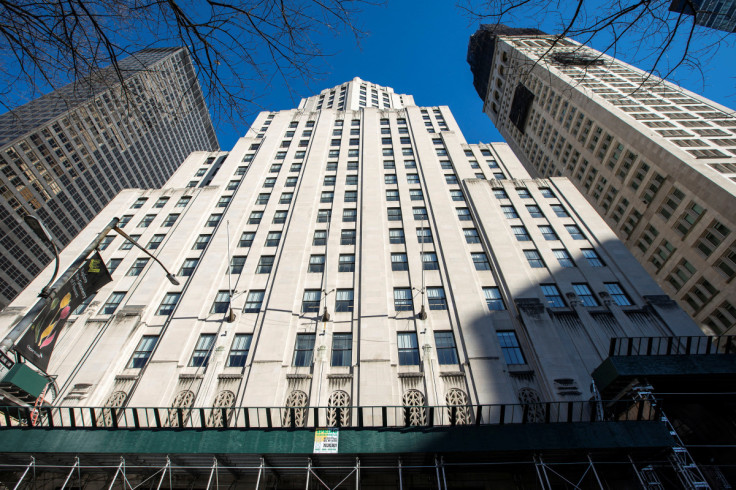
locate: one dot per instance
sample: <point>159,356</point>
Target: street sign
<point>5,364</point>
<point>38,342</point>
<point>326,440</point>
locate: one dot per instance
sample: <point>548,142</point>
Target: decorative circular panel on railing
<point>116,400</point>
<point>337,416</point>
<point>295,404</point>
<point>184,399</point>
<point>416,413</point>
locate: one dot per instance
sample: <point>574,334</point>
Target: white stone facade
<point>490,335</point>
<point>658,162</point>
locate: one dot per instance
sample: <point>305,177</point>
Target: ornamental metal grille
<point>183,400</point>
<point>224,399</point>
<point>457,407</point>
<point>415,413</point>
<point>295,404</point>
<point>534,409</point>
<point>116,400</point>
<point>337,416</point>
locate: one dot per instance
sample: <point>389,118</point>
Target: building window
<point>500,194</point>
<point>273,238</point>
<point>534,259</point>
<point>146,221</point>
<point>347,237</point>
<point>231,186</point>
<point>424,235</point>
<point>553,296</point>
<point>392,195</point>
<point>324,215</point>
<point>585,294</point>
<point>480,261</point>
<point>547,192</point>
<point>222,302</point>
<point>327,197</point>
<point>223,201</point>
<point>203,350</point>
<point>617,294</point>
<point>351,196</point>
<point>399,262</point>
<point>446,352</point>
<point>563,257</point>
<point>269,182</point>
<point>329,180</point>
<point>403,300</point>
<point>521,234</point>
<point>168,304</point>
<point>239,350</point>
<point>286,197</point>
<point>279,217</point>
<point>471,235</point>
<point>320,238</point>
<point>344,300</point>
<point>137,267</point>
<point>265,264</point>
<point>342,349</point>
<point>139,203</point>
<point>112,303</point>
<point>303,350</point>
<point>463,214</point>
<point>575,232</point>
<point>316,263</point>
<point>510,347</point>
<point>246,239</point>
<point>255,217</point>
<point>451,178</point>
<point>143,352</point>
<point>420,214</point>
<point>394,214</point>
<point>155,242</point>
<point>113,264</point>
<point>128,244</point>
<point>396,235</point>
<point>457,195</point>
<point>311,300</point>
<point>436,298</point>
<point>346,263</point>
<point>412,178</point>
<point>351,180</point>
<point>560,211</point>
<point>390,179</point>
<point>253,302</point>
<point>263,198</point>
<point>408,349</point>
<point>201,242</point>
<point>416,195</point>
<point>548,232</point>
<point>493,298</point>
<point>291,181</point>
<point>524,193</point>
<point>592,257</point>
<point>106,242</point>
<point>213,220</point>
<point>534,211</point>
<point>187,268</point>
<point>509,212</point>
<point>237,263</point>
<point>349,215</point>
<point>430,262</point>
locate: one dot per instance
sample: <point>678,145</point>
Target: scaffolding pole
<point>357,474</point>
<point>163,475</point>
<point>595,473</point>
<point>442,465</point>
<point>32,464</point>
<point>115,477</point>
<point>401,479</point>
<point>260,471</point>
<point>71,472</point>
<point>309,472</point>
<point>213,473</point>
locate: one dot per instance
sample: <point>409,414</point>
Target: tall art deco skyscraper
<point>65,155</point>
<point>355,263</point>
<point>656,161</point>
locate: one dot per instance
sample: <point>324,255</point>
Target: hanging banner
<point>326,440</point>
<point>38,342</point>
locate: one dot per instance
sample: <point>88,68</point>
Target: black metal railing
<point>669,346</point>
<point>305,417</point>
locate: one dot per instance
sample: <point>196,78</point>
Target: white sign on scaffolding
<point>326,440</point>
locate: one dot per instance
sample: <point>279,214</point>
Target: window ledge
<point>411,374</point>
<point>190,376</point>
<point>298,376</point>
<point>520,369</point>
<point>230,376</point>
<point>126,377</point>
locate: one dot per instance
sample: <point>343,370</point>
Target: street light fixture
<point>169,275</point>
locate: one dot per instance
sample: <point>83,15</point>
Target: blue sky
<point>419,49</point>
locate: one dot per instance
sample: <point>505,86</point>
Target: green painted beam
<point>491,438</point>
